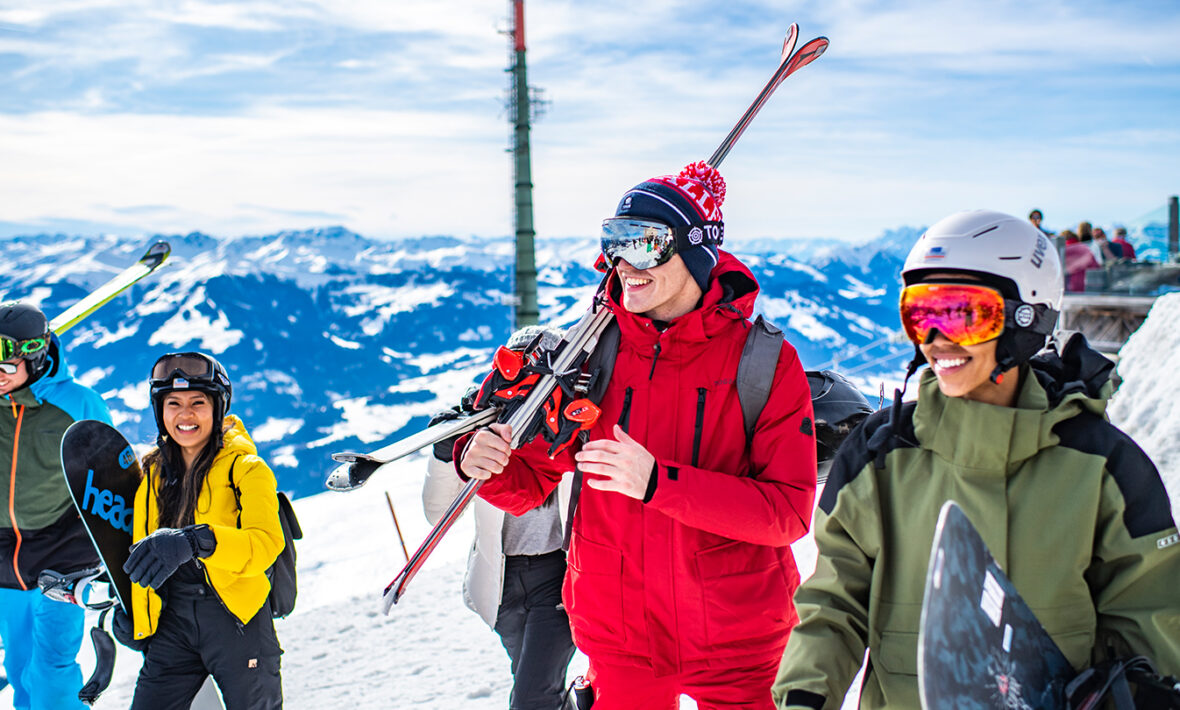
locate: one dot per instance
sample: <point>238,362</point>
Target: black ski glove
<point>443,448</point>
<point>124,631</point>
<point>154,558</point>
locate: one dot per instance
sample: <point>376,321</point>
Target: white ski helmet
<point>1008,254</point>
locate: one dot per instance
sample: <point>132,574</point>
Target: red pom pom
<point>707,175</point>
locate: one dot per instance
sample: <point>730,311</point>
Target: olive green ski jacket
<point>1072,509</point>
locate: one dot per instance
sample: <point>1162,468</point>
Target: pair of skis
<point>579,341</point>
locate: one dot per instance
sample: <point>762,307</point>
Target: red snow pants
<point>729,684</point>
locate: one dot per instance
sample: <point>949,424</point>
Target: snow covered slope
<point>1147,404</point>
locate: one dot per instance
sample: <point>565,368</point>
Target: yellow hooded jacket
<point>237,568</point>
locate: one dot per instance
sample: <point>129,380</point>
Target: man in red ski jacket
<point>680,570</point>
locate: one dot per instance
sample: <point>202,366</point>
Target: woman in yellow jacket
<point>206,529</point>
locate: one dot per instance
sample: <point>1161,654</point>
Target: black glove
<point>124,631</point>
<point>443,448</point>
<point>154,558</point>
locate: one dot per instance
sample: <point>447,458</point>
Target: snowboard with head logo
<point>103,473</point>
<point>980,646</point>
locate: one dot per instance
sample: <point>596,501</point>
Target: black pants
<point>196,638</point>
<point>535,630</point>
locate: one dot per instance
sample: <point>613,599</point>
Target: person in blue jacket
<point>39,526</point>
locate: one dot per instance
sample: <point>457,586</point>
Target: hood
<point>1069,369</point>
<point>731,295</point>
<point>236,439</point>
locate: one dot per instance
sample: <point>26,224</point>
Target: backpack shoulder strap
<point>755,373</point>
<point>601,363</point>
<point>237,491</point>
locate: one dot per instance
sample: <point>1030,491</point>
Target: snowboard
<point>103,473</point>
<point>980,645</point>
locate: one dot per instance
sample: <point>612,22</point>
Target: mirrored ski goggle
<point>966,314</point>
<point>646,244</point>
<point>640,243</point>
<point>192,366</point>
<point>11,348</point>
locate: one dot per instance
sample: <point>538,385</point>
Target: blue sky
<point>387,116</point>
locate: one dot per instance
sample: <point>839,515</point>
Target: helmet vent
<point>992,228</point>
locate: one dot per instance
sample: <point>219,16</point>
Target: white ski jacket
<point>483,584</point>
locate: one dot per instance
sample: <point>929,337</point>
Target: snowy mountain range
<point>337,342</point>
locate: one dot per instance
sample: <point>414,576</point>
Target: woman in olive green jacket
<point>1073,511</point>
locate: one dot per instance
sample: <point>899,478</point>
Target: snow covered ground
<point>432,653</point>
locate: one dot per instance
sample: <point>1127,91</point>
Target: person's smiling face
<point>10,382</point>
<point>663,292</point>
<point>188,420</point>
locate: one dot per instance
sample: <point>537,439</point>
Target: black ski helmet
<point>24,331</point>
<point>839,407</point>
<point>189,371</point>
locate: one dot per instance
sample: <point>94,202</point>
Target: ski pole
<point>397,527</point>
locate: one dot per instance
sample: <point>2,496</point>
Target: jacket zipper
<point>700,425</point>
<point>20,418</point>
<point>656,356</point>
<point>217,596</point>
<point>625,416</point>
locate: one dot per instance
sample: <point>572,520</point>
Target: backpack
<point>283,583</point>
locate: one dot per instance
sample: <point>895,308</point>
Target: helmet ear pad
<point>1017,346</point>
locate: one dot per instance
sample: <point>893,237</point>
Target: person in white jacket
<point>513,581</point>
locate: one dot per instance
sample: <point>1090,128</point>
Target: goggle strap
<point>700,234</point>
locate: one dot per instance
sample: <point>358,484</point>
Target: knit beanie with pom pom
<point>691,199</point>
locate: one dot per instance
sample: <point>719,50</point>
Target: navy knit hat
<point>691,198</point>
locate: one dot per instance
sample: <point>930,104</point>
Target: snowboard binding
<point>77,587</point>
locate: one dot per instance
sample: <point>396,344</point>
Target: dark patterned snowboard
<point>980,646</point>
<point>103,473</point>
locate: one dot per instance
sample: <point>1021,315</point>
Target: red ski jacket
<point>704,569</point>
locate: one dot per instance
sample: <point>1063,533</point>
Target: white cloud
<point>388,117</point>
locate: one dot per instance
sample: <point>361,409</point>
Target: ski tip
<point>789,40</point>
<point>156,254</point>
<point>390,597</point>
<point>350,476</point>
<point>339,480</point>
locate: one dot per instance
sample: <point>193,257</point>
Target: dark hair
<point>176,488</point>
<point>1085,232</point>
<point>1036,213</point>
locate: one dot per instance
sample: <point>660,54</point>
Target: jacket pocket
<point>743,593</point>
<point>596,590</point>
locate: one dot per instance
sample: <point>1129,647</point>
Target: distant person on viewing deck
<point>1110,251</point>
<point>1120,238</point>
<point>1036,217</point>
<point>1078,260</point>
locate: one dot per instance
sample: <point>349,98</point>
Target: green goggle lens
<point>10,348</point>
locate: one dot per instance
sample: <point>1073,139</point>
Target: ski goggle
<point>11,348</point>
<point>966,314</point>
<point>646,244</point>
<point>194,367</point>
